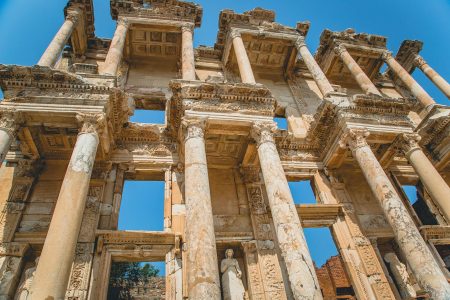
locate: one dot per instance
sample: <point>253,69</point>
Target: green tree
<point>125,276</point>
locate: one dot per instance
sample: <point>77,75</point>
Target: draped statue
<point>233,288</point>
<point>23,291</point>
<point>401,276</point>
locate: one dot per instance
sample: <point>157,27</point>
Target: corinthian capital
<point>300,42</point>
<point>354,139</point>
<point>187,27</point>
<point>90,123</point>
<point>235,33</point>
<point>408,142</point>
<point>262,132</point>
<point>123,21</point>
<point>419,61</point>
<point>386,55</point>
<point>73,14</point>
<point>10,120</point>
<point>193,128</point>
<point>339,49</point>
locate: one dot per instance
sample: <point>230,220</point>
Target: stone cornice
<point>247,99</point>
<point>171,10</point>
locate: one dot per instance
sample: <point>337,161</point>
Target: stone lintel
<point>318,215</point>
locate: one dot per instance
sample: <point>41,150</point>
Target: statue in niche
<point>232,286</point>
<point>23,291</point>
<point>401,276</point>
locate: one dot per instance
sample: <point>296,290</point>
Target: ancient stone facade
<point>67,144</point>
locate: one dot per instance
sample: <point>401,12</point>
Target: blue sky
<point>26,28</point>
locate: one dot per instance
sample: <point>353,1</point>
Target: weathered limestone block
<point>11,261</point>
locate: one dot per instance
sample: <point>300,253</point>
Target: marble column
<point>9,124</point>
<point>53,270</point>
<point>202,266</point>
<point>408,238</point>
<point>187,52</point>
<point>317,73</point>
<point>294,250</point>
<point>245,68</point>
<point>56,46</point>
<point>115,52</point>
<point>436,186</point>
<point>434,76</point>
<point>407,80</point>
<point>363,80</point>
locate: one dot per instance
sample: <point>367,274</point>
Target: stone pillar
<point>317,73</point>
<point>436,186</point>
<point>363,80</point>
<point>407,79</point>
<point>56,46</point>
<point>416,251</point>
<point>9,124</point>
<point>187,52</point>
<point>115,52</point>
<point>53,270</point>
<point>245,68</point>
<point>437,79</point>
<point>203,269</point>
<point>301,272</point>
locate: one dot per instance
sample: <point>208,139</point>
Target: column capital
<point>187,27</point>
<point>74,15</point>
<point>419,61</point>
<point>407,142</point>
<point>339,49</point>
<point>10,120</point>
<point>354,139</point>
<point>300,42</point>
<point>386,55</point>
<point>90,123</point>
<point>193,128</point>
<point>234,33</point>
<point>123,21</point>
<point>262,132</point>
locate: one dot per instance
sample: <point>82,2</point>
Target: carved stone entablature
<point>407,53</point>
<point>433,232</point>
<point>258,19</point>
<point>13,249</point>
<point>171,10</point>
<point>292,149</point>
<point>435,132</point>
<point>10,120</point>
<point>219,98</point>
<point>364,48</point>
<point>88,10</point>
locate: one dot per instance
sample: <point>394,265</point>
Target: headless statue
<point>233,288</point>
<point>401,276</point>
<point>23,291</point>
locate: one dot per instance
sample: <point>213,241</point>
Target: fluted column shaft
<point>9,123</point>
<point>434,76</point>
<point>429,176</point>
<point>407,80</point>
<point>203,271</point>
<point>408,238</point>
<point>56,46</point>
<point>289,231</point>
<point>245,68</point>
<point>358,74</point>
<point>53,270</point>
<point>115,52</point>
<point>187,52</point>
<point>317,73</point>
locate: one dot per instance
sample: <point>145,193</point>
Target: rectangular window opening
<point>303,192</point>
<point>329,266</point>
<point>142,206</point>
<point>411,193</point>
<point>148,116</point>
<point>137,280</point>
